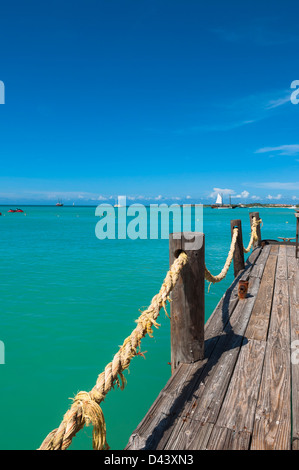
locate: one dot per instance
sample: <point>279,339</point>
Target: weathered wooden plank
<point>204,402</point>
<point>259,320</point>
<point>282,268</point>
<point>272,426</point>
<point>259,265</point>
<point>193,435</point>
<point>238,409</point>
<point>291,250</point>
<point>223,311</point>
<point>162,412</point>
<point>275,249</point>
<point>293,282</point>
<point>295,444</point>
<point>253,256</point>
<point>228,439</point>
<point>215,379</point>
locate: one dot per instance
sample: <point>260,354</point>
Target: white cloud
<point>244,195</point>
<point>290,150</point>
<point>224,192</point>
<point>279,196</point>
<point>255,197</point>
<point>278,102</point>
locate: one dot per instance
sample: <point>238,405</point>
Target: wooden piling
<point>238,258</point>
<point>188,303</point>
<point>258,229</point>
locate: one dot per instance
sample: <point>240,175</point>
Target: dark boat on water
<point>15,210</point>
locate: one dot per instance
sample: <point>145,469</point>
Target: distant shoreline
<point>239,206</point>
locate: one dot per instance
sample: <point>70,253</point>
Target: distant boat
<point>118,202</point>
<point>59,204</point>
<point>15,210</point>
<point>219,203</point>
<point>219,199</point>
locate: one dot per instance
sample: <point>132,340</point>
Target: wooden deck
<point>245,393</point>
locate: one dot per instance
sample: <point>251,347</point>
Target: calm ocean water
<point>68,300</point>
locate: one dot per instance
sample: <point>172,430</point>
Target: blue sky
<point>157,100</point>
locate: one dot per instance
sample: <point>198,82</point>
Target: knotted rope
<point>209,276</point>
<point>254,237</point>
<point>86,408</point>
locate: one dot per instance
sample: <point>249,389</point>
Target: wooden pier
<point>235,380</point>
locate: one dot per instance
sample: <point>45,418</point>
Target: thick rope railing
<point>213,279</point>
<point>254,237</point>
<point>86,408</point>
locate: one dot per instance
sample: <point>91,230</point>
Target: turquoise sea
<point>68,300</point>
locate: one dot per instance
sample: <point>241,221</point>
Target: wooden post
<point>188,301</point>
<point>238,258</point>
<point>258,229</point>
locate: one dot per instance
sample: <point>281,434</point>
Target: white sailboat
<point>121,202</point>
<point>219,199</point>
<point>219,203</point>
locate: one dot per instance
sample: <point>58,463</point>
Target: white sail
<point>219,199</point>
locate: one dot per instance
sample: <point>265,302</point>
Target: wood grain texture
<point>260,317</point>
<point>187,308</point>
<point>227,439</point>
<point>259,265</point>
<point>274,249</point>
<point>272,427</point>
<point>238,409</point>
<point>282,267</point>
<point>193,435</point>
<point>238,257</point>
<point>258,228</point>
